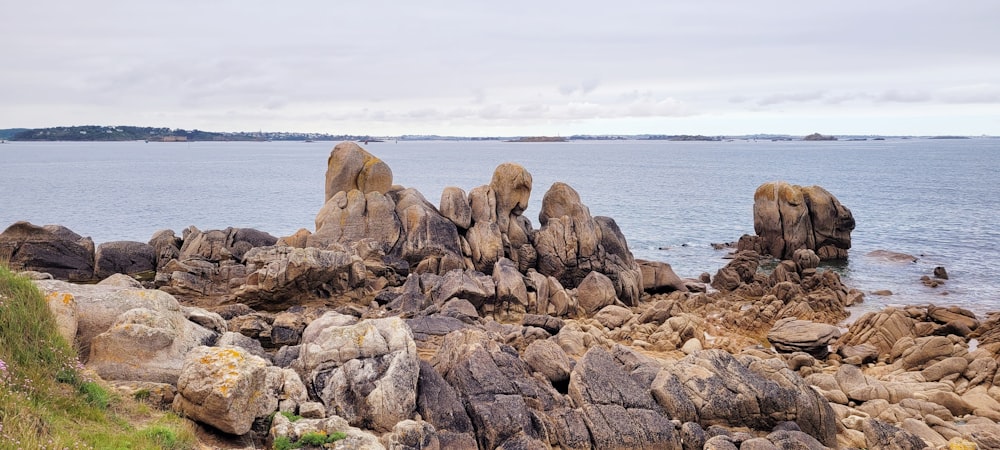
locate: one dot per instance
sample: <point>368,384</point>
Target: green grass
<point>46,402</point>
<point>312,438</point>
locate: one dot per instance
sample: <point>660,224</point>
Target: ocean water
<point>938,200</point>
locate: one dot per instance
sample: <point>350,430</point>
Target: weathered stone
<point>52,249</point>
<point>510,288</point>
<point>166,245</point>
<point>883,436</point>
<point>595,292</point>
<point>659,277</point>
<point>455,206</point>
<point>792,335</point>
<point>125,257</point>
<point>350,167</point>
<point>349,216</point>
<point>613,316</point>
<point>225,388</point>
<point>548,358</point>
<point>790,217</point>
<point>280,277</point>
<point>366,373</point>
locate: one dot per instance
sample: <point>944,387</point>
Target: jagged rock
<point>280,277</point>
<point>496,388</point>
<point>350,167</point>
<point>221,245</point>
<point>52,249</point>
<point>429,241</point>
<point>550,324</point>
<point>125,257</point>
<point>659,277</point>
<point>740,270</point>
<point>746,392</point>
<point>790,217</point>
<point>469,285</point>
<point>226,388</point>
<point>246,344</point>
<point>455,206</point>
<point>618,411</point>
<point>792,335</point>
<point>438,403</point>
<point>366,373</point>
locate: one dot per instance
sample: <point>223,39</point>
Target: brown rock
<point>350,167</point>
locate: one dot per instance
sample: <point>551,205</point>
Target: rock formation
<point>405,325</point>
<point>788,217</point>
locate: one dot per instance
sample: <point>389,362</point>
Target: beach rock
<point>659,277</point>
<point>891,256</point>
<point>412,435</point>
<point>366,372</point>
<point>486,245</point>
<point>791,335</point>
<point>472,286</point>
<point>221,245</point>
<point>571,244</point>
<point>455,206</point>
<point>740,270</point>
<point>226,388</point>
<point>940,272</point>
<point>280,277</point>
<point>63,307</point>
<point>52,249</point>
<point>789,217</point>
<point>350,167</point>
<point>125,257</point>
<point>618,411</point>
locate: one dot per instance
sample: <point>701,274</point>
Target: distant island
<point>539,139</point>
<point>161,134</point>
<point>153,134</point>
<point>819,137</point>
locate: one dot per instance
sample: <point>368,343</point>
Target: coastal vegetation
<point>48,400</point>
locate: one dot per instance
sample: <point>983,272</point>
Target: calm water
<point>936,199</point>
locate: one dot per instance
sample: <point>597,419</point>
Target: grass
<point>312,438</point>
<point>48,402</point>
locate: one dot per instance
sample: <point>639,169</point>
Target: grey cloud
<point>894,95</point>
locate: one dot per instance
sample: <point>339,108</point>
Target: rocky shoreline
<point>408,325</point>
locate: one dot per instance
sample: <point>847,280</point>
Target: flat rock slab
<point>792,335</point>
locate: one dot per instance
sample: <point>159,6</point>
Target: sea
<point>935,199</point>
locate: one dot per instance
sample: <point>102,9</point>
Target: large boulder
<point>788,217</point>
<point>52,249</point>
<point>127,257</point>
<point>349,216</point>
<point>280,277</point>
<point>658,277</point>
<point>366,373</point>
<point>712,387</point>
<point>571,244</point>
<point>455,206</point>
<point>129,334</point>
<point>226,388</point>
<point>429,241</point>
<point>350,167</point>
<point>498,228</point>
<point>595,292</point>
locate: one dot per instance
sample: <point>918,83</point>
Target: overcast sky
<point>505,68</point>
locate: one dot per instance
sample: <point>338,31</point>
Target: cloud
<point>976,93</point>
<point>794,97</point>
<point>897,96</point>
